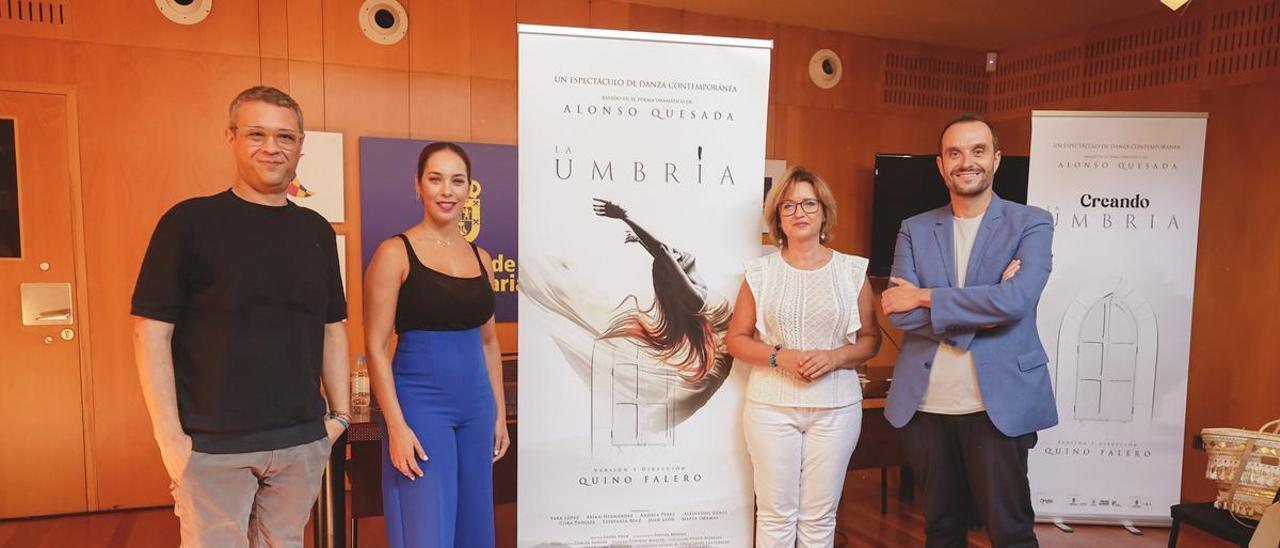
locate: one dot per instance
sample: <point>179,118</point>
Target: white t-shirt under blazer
<point>953,380</point>
<point>806,310</point>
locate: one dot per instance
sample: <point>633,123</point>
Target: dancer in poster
<point>681,328</point>
<point>681,332</point>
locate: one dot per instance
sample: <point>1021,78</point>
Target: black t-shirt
<point>249,289</point>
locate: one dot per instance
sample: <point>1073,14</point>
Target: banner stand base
<point>1062,526</point>
<point>1128,526</point>
<point>1130,523</point>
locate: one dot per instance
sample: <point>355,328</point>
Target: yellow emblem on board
<point>469,223</point>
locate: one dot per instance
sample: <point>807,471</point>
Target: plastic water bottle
<point>360,388</point>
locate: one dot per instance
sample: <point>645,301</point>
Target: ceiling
<point>981,25</point>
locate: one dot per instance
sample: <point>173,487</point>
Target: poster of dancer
<point>640,202</point>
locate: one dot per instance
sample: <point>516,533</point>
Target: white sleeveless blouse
<point>806,310</point>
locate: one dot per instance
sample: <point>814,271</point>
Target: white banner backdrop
<point>641,169</point>
<point>1124,191</point>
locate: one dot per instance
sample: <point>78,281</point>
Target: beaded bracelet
<point>773,358</point>
<point>341,420</point>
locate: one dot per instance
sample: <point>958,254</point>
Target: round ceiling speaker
<point>383,21</point>
<point>185,12</point>
<point>825,69</point>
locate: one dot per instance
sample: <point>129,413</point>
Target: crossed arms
<point>955,314</point>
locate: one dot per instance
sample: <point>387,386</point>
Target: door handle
<point>47,304</point>
<point>61,315</point>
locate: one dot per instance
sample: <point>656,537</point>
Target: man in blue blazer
<point>970,387</point>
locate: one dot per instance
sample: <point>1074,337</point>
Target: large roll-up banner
<point>641,166</point>
<point>1115,317</point>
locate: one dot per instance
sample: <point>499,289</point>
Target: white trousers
<point>800,455</point>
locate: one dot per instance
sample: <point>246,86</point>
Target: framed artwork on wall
<point>319,182</point>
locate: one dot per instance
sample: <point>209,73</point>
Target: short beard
<point>981,187</point>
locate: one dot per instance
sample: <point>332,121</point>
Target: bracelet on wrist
<point>773,358</point>
<point>345,421</point>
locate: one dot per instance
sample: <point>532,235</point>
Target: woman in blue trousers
<point>441,395</point>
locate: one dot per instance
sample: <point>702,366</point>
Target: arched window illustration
<point>632,397</point>
<point>1107,362</point>
<point>1107,355</point>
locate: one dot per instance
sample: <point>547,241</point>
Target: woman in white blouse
<point>804,318</point>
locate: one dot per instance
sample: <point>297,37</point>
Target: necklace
<point>427,233</point>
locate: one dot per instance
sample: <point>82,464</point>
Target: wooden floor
<point>860,519</point>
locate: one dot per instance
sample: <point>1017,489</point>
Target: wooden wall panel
<point>749,28</point>
<point>273,29</point>
<point>493,39</point>
<point>911,132</point>
<point>1015,134</point>
<point>1233,367</point>
<point>366,101</point>
<point>608,14</point>
<point>862,63</point>
<point>493,111</point>
<point>24,59</point>
<point>563,13</point>
<point>440,107</point>
<point>655,19</point>
<point>440,36</point>
<point>275,73</point>
<point>709,25</point>
<point>1182,97</point>
<point>305,30</point>
<point>306,86</point>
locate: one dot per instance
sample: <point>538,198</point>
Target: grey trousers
<point>249,499</point>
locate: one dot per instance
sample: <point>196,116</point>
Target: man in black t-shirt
<point>239,311</point>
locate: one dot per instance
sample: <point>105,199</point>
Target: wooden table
<point>880,446</point>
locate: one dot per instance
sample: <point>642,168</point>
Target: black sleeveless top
<point>435,301</point>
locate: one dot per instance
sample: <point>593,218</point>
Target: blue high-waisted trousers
<point>444,392</point>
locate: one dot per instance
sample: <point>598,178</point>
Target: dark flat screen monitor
<point>908,184</point>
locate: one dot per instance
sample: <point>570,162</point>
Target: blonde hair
<point>799,174</point>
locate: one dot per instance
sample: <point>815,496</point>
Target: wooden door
<point>42,449</point>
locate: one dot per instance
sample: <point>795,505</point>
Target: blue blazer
<point>994,320</point>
